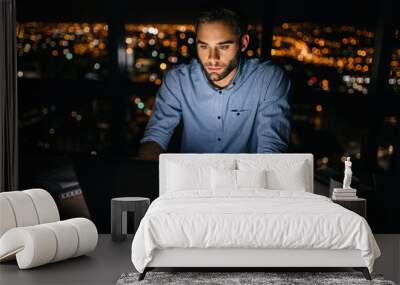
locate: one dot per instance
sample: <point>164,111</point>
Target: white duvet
<point>251,218</point>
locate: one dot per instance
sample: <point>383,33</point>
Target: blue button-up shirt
<point>250,115</point>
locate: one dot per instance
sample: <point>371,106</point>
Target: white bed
<point>283,224</point>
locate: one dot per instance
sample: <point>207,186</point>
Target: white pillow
<point>188,175</point>
<point>289,175</point>
<point>251,178</point>
<point>236,179</point>
<point>223,179</point>
<point>292,179</point>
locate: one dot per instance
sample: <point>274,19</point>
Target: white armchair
<point>31,230</point>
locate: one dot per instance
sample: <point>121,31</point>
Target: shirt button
<point>237,114</point>
<point>220,92</point>
<point>219,139</point>
<point>219,117</point>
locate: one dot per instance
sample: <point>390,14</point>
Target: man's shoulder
<point>267,68</point>
<point>183,69</point>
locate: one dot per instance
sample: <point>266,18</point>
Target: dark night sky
<point>339,11</point>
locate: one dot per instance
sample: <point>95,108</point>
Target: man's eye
<point>203,47</point>
<point>224,47</point>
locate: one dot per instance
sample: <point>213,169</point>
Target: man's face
<point>218,50</point>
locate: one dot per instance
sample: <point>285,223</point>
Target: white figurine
<point>347,174</point>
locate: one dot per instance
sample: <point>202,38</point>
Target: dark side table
<point>358,205</point>
<point>119,208</point>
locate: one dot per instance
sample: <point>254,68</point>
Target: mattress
<point>250,218</point>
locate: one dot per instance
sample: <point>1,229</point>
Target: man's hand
<point>149,150</point>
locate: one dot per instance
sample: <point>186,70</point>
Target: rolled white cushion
<point>23,208</point>
<point>87,235</point>
<point>45,206</point>
<point>67,240</point>
<point>41,244</point>
<point>7,218</point>
<point>33,246</point>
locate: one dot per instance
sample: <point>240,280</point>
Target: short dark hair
<point>237,22</point>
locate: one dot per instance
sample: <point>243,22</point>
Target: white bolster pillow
<point>87,234</point>
<point>26,208</point>
<point>45,206</point>
<point>23,209</point>
<point>33,246</point>
<point>7,218</point>
<point>67,240</point>
<point>40,244</point>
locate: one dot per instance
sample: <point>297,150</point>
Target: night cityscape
<point>151,49</point>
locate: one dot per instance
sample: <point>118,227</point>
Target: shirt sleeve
<point>166,112</point>
<point>273,117</point>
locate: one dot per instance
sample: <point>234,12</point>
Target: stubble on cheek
<point>214,76</point>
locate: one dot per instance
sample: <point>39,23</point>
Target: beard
<point>214,76</point>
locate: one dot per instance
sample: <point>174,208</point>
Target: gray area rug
<point>229,278</point>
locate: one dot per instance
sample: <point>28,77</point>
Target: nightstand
<point>358,205</point>
<point>119,208</point>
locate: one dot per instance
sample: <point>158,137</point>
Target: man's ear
<point>244,42</point>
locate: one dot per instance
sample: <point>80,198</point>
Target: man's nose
<point>213,55</point>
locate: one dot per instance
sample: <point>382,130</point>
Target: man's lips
<point>214,68</point>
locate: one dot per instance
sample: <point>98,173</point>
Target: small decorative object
<point>347,174</point>
<point>346,192</point>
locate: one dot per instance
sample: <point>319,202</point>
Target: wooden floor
<point>111,259</point>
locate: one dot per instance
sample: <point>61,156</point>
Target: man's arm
<point>150,151</point>
<point>273,116</point>
<point>166,115</point>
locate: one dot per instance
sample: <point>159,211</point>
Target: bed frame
<point>246,258</point>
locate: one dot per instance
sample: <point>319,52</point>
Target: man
<point>228,104</point>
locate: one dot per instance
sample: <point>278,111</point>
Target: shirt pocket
<point>240,112</point>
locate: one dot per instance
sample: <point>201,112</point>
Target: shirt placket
<point>220,120</point>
